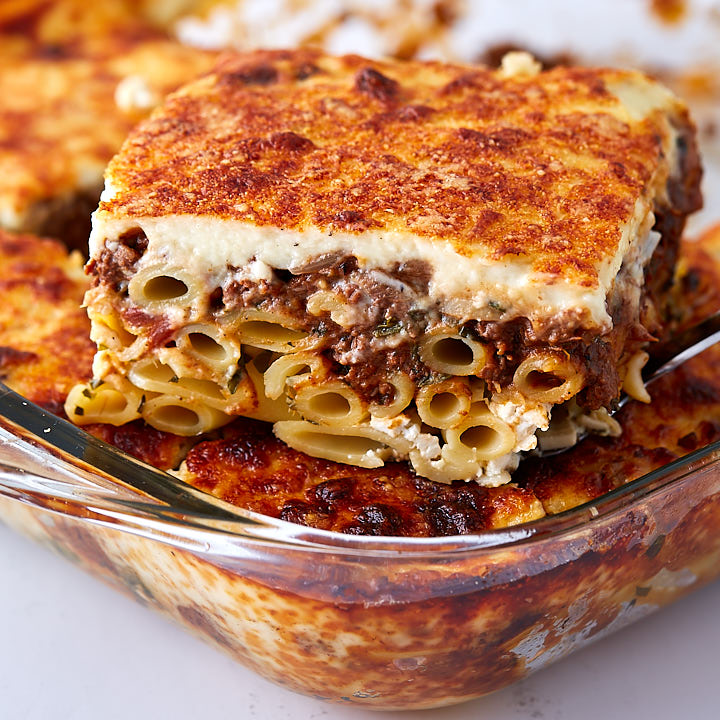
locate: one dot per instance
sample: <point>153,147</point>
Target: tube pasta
<point>445,404</point>
<point>268,409</point>
<point>107,329</point>
<point>548,377</point>
<point>114,401</point>
<point>448,352</point>
<point>340,311</point>
<point>160,286</point>
<point>210,346</point>
<point>329,403</point>
<point>481,436</point>
<point>269,331</point>
<point>363,446</point>
<point>296,366</point>
<point>444,469</point>
<point>153,375</point>
<point>182,416</point>
<point>157,377</point>
<point>241,401</point>
<point>633,384</point>
<point>404,389</point>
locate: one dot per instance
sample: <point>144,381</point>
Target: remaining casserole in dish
<point>389,261</point>
<point>74,80</point>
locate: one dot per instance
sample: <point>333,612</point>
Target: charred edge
<point>257,75</point>
<point>376,85</point>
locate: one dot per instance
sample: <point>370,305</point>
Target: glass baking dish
<point>380,622</point>
<point>389,623</point>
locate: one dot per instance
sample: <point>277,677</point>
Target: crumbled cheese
<point>519,63</point>
<point>405,429</point>
<point>524,420</point>
<point>133,94</point>
<point>426,454</point>
<point>259,270</point>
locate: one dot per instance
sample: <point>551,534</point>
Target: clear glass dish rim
<point>253,527</point>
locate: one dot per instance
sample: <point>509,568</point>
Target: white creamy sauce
<point>258,270</point>
<point>460,285</point>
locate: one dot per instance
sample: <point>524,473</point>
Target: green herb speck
<point>235,381</point>
<point>389,326</point>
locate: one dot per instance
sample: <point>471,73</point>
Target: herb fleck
<point>389,326</point>
<point>235,381</point>
<point>469,333</point>
<point>432,378</point>
<point>320,329</point>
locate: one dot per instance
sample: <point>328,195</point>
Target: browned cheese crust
<point>301,139</point>
<point>60,120</point>
<point>44,343</point>
<point>44,350</point>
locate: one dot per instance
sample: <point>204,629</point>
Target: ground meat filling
<point>114,267</point>
<point>390,319</point>
<point>390,315</point>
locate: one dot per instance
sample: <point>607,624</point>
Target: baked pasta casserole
<point>389,261</point>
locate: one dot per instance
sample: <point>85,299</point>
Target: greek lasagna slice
<point>389,261</point>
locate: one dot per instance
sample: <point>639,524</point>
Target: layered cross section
<point>386,260</point>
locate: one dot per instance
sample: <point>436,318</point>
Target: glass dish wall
<point>380,622</point>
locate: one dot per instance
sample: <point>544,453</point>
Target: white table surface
<point>73,649</point>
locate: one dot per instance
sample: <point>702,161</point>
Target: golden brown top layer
<point>548,166</point>
<point>75,28</point>
<point>69,101</point>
